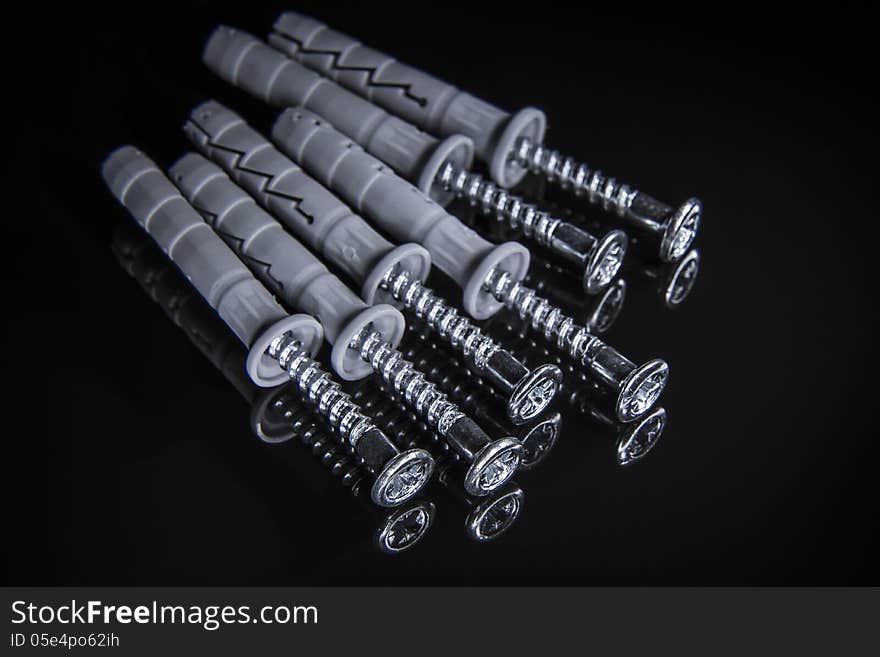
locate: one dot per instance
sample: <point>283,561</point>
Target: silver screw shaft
<point>320,389</point>
<point>528,392</point>
<point>399,475</point>
<point>598,259</point>
<point>676,228</point>
<point>636,388</point>
<point>492,462</point>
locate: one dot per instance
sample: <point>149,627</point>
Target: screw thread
<point>599,188</point>
<point>324,446</point>
<point>460,383</point>
<point>402,425</point>
<point>549,320</point>
<point>320,389</point>
<point>442,318</point>
<point>401,375</point>
<point>492,199</point>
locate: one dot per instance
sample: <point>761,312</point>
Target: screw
<point>491,462</point>
<point>537,438</point>
<point>528,392</point>
<point>399,476</point>
<point>634,439</point>
<point>636,389</point>
<point>490,516</point>
<point>598,258</point>
<point>676,228</point>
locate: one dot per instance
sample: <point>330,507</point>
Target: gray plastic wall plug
<point>280,345</point>
<point>510,144</point>
<point>313,213</point>
<point>247,62</point>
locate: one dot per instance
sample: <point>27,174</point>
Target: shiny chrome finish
<point>636,388</point>
<point>676,228</point>
<point>491,462</point>
<point>528,392</point>
<point>399,476</point>
<point>597,259</point>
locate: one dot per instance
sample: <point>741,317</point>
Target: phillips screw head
<point>680,230</point>
<point>640,389</point>
<point>493,465</point>
<point>402,477</point>
<point>534,393</point>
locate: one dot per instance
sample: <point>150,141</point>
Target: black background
<point>130,456</point>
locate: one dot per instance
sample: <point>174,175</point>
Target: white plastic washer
<point>457,148</point>
<point>528,122</point>
<point>412,257</point>
<point>265,370</point>
<point>511,257</point>
<point>387,320</point>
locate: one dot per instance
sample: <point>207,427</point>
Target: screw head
<point>402,478</point>
<point>606,310</point>
<point>641,389</point>
<point>681,280</point>
<point>681,229</point>
<point>405,527</point>
<point>539,440</point>
<point>495,515</point>
<point>493,465</point>
<point>605,261</point>
<point>534,393</point>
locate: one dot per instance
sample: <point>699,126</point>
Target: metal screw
<point>636,388</point>
<point>598,259</point>
<point>528,392</point>
<point>399,476</point>
<point>489,517</point>
<point>492,463</point>
<point>675,227</point>
<point>537,438</point>
<point>634,439</point>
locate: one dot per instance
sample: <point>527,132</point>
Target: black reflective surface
<point>133,459</point>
